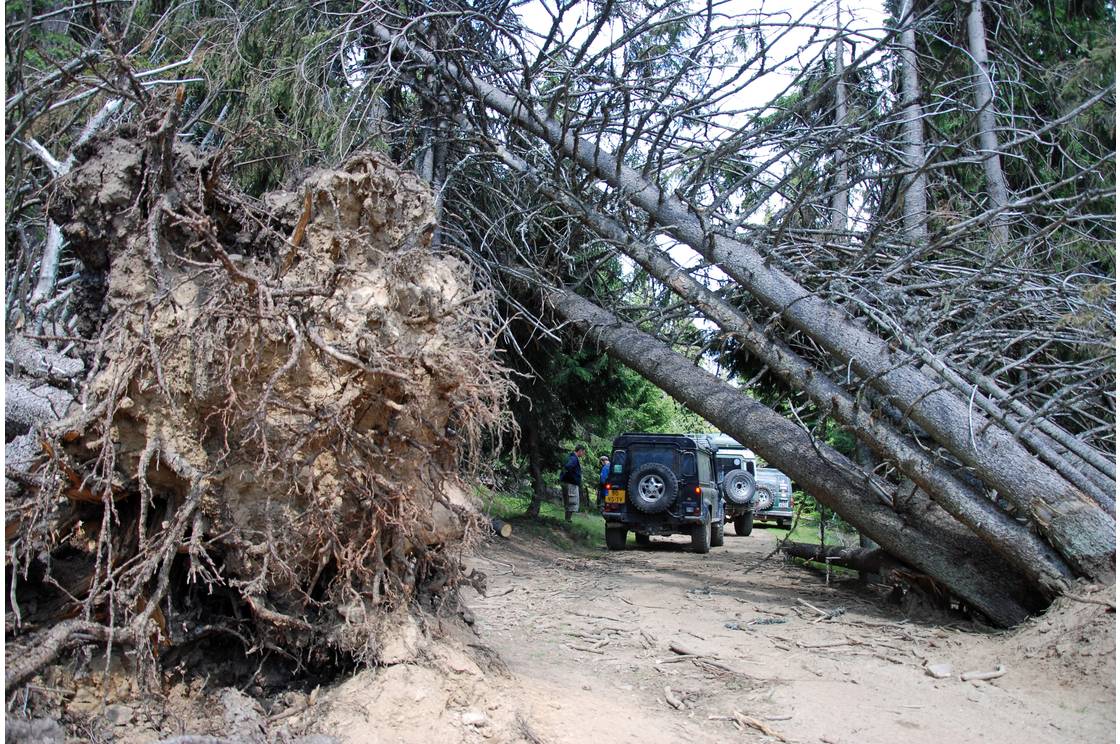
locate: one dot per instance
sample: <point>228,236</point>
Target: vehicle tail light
<point>698,490</point>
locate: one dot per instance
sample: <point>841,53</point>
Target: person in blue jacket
<point>571,478</point>
<point>604,475</point>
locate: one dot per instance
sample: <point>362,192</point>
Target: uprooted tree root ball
<point>282,397</point>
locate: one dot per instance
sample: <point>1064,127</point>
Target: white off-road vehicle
<point>735,466</point>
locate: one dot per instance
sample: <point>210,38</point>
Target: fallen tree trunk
<point>1023,549</point>
<point>967,566</point>
<point>1073,522</point>
<point>868,560</point>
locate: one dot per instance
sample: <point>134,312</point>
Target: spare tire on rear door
<point>738,487</point>
<point>765,499</point>
<point>652,488</point>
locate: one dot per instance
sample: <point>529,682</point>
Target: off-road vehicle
<point>735,471</point>
<point>663,484</point>
<point>775,497</point>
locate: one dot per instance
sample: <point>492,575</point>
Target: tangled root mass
<point>282,396</point>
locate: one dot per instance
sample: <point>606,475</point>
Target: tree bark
<point>913,149</point>
<point>1075,525</point>
<point>826,474</point>
<point>1028,553</point>
<point>533,453</point>
<point>840,197</point>
<point>865,560</point>
<point>984,92</point>
<point>867,460</point>
<point>48,644</point>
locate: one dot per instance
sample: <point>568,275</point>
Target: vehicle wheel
<point>717,533</point>
<point>744,523</point>
<point>701,537</point>
<point>641,538</point>
<point>652,488</point>
<point>764,499</point>
<point>616,538</point>
<point>738,487</point>
<point>785,524</point>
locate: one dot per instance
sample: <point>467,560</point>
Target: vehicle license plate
<point>616,497</point>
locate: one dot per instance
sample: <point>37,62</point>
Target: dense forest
<point>280,277</point>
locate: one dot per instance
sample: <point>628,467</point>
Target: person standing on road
<point>604,474</point>
<point>571,478</point>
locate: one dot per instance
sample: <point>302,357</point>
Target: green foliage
<point>639,405</point>
<point>287,89</point>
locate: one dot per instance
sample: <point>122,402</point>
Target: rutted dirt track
<point>574,648</point>
<point>587,642</point>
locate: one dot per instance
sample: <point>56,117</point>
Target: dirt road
<point>587,642</point>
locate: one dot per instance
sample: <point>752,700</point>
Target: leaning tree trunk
<point>1020,547</point>
<point>1074,524</point>
<point>984,92</point>
<point>967,567</point>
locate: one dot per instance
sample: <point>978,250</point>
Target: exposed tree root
<point>45,648</point>
<point>272,430</point>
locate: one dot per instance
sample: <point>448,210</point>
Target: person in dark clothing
<point>604,474</point>
<point>571,478</point>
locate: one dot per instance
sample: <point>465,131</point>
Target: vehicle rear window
<point>618,462</point>
<point>688,465</point>
<point>704,468</point>
<point>733,462</point>
<point>639,456</point>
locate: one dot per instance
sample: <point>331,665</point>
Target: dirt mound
<point>281,398</point>
<point>1075,639</point>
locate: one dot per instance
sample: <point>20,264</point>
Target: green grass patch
<point>810,532</point>
<point>585,533</point>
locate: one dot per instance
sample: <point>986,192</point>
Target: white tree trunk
<point>840,197</point>
<point>913,150</point>
<point>984,92</point>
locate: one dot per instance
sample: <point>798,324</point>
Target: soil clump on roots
<point>270,449</point>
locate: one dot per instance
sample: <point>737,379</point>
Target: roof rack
<point>679,440</point>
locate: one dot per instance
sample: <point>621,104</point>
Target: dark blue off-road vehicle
<point>663,484</point>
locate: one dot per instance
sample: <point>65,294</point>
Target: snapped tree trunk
<point>1024,550</point>
<point>967,567</point>
<point>1073,522</point>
